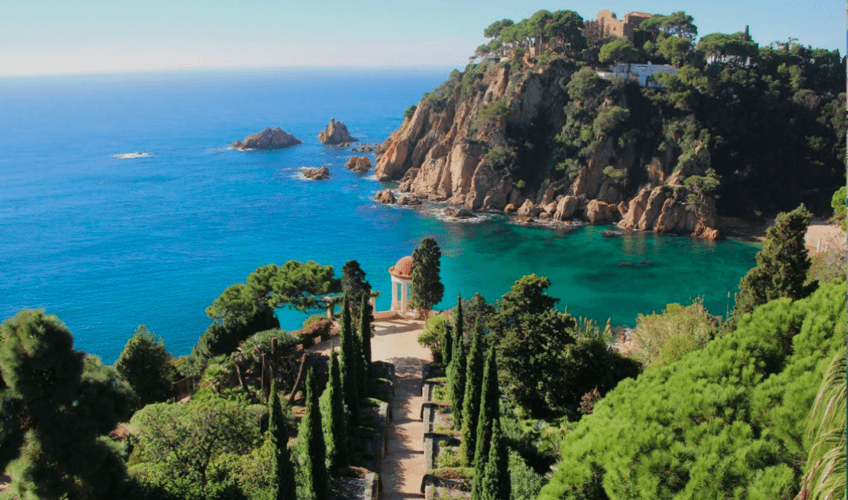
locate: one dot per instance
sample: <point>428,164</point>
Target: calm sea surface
<point>107,244</point>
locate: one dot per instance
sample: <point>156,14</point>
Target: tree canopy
<point>147,367</point>
<point>57,406</point>
<point>427,287</point>
<point>246,308</point>
<point>726,421</point>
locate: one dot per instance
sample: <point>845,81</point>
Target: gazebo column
<point>403,292</point>
<point>394,295</point>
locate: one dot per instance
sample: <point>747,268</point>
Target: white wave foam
<point>128,156</point>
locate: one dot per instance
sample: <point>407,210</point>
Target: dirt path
<point>396,341</point>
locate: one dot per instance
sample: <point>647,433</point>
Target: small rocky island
<point>359,164</point>
<point>317,174</point>
<point>335,133</point>
<point>269,138</point>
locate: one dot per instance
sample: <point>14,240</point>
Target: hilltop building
<point>609,24</point>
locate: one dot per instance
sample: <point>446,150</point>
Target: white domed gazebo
<point>401,274</point>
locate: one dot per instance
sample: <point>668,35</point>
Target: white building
<point>642,73</point>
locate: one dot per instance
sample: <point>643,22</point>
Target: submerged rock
<point>269,138</point>
<point>459,212</point>
<point>335,133</point>
<point>409,200</point>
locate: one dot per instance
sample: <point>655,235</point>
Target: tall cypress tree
<point>334,419</point>
<point>348,365</point>
<point>458,362</point>
<point>489,411</point>
<point>313,469</point>
<point>283,483</point>
<point>361,375</point>
<point>458,333</point>
<point>473,387</point>
<point>427,288</point>
<point>494,482</point>
<point>365,332</point>
<point>447,348</point>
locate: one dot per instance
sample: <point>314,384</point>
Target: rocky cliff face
<point>275,138</point>
<point>487,140</point>
<point>335,133</point>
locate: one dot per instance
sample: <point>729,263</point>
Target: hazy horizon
<point>41,38</point>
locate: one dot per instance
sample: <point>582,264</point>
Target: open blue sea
<point>107,244</point>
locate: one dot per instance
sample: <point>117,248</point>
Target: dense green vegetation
<point>762,127</point>
<point>727,421</point>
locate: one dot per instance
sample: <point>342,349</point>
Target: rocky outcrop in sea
<point>269,138</point>
<point>317,174</point>
<point>359,164</point>
<point>335,133</point>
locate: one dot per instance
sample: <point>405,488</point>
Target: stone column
<point>403,297</point>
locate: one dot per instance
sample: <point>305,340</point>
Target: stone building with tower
<point>609,24</point>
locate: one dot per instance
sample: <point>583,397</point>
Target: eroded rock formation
<point>335,133</point>
<point>269,138</point>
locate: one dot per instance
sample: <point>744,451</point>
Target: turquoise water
<point>107,244</point>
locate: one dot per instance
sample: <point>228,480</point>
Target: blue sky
<point>38,36</point>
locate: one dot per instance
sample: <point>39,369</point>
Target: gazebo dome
<point>403,269</point>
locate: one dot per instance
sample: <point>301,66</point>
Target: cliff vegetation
<point>550,120</point>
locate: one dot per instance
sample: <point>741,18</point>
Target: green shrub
<point>410,111</point>
<point>613,173</point>
<point>493,111</point>
<point>311,320</point>
<point>434,331</point>
<point>525,482</point>
<point>500,157</point>
<point>827,267</point>
<point>838,203</point>
<point>664,338</point>
<point>449,457</point>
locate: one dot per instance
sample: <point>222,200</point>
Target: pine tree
<point>458,369</point>
<point>314,481</point>
<point>782,264</point>
<point>283,484</point>
<point>56,404</point>
<point>473,386</point>
<point>348,365</point>
<point>365,332</point>
<point>333,417</point>
<point>489,411</point>
<point>427,287</point>
<point>494,482</point>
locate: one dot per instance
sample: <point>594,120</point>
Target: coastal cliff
<point>539,127</point>
<point>487,140</point>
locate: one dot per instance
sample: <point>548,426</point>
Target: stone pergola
<point>401,274</point>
